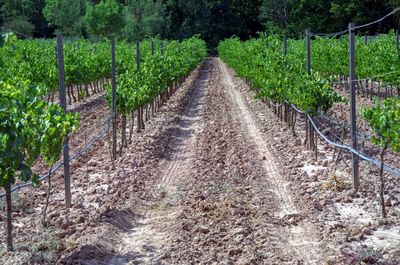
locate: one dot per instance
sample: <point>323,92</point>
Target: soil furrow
<point>300,239</point>
<point>147,237</point>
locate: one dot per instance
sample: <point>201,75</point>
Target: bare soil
<point>216,178</point>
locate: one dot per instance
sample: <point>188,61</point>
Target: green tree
<point>234,17</point>
<point>105,18</point>
<point>20,25</point>
<point>324,16</point>
<point>360,12</point>
<point>66,15</point>
<point>185,18</point>
<point>274,15</point>
<point>24,16</point>
<point>20,16</point>
<point>143,18</point>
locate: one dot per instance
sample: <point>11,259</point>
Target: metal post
<point>114,96</point>
<point>137,54</point>
<point>308,47</point>
<point>285,45</point>
<point>397,38</point>
<point>152,47</point>
<point>63,103</point>
<point>353,117</point>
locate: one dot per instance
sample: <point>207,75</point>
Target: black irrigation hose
<point>392,170</point>
<point>59,165</point>
<point>336,123</point>
<point>362,135</point>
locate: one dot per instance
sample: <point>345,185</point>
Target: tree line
<point>213,20</point>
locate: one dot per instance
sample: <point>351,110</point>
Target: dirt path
<point>202,185</point>
<point>148,236</point>
<point>271,165</point>
<point>177,165</point>
<point>217,193</point>
<point>300,237</point>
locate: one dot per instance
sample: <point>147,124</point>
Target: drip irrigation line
<point>392,170</point>
<point>364,136</point>
<point>343,125</point>
<point>324,128</point>
<point>377,76</point>
<point>59,165</point>
<point>372,78</point>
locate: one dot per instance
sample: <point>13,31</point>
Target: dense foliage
<point>35,60</point>
<point>157,72</point>
<point>376,58</point>
<point>384,119</point>
<point>277,77</point>
<point>214,20</point>
<point>293,17</point>
<point>30,127</point>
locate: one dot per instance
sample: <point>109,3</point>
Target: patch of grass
<point>219,189</point>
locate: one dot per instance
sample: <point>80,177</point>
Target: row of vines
<point>32,126</point>
<point>283,81</point>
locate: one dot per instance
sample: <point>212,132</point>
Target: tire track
<point>178,165</point>
<point>246,118</point>
<point>300,238</point>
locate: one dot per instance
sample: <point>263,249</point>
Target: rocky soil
<point>216,178</point>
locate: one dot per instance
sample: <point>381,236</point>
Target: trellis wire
<point>335,34</point>
<point>59,165</point>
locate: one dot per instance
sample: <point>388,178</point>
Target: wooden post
<point>114,96</point>
<point>137,54</point>
<point>308,47</point>
<point>63,103</point>
<point>353,110</point>
<point>285,45</point>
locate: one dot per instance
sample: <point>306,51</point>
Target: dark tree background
<point>177,19</point>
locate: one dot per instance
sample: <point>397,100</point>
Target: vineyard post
<point>152,47</point>
<point>285,46</point>
<point>285,51</point>
<point>137,54</point>
<point>308,47</point>
<point>114,95</point>
<point>162,48</point>
<point>397,38</point>
<point>63,103</point>
<point>352,85</point>
<point>308,65</point>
